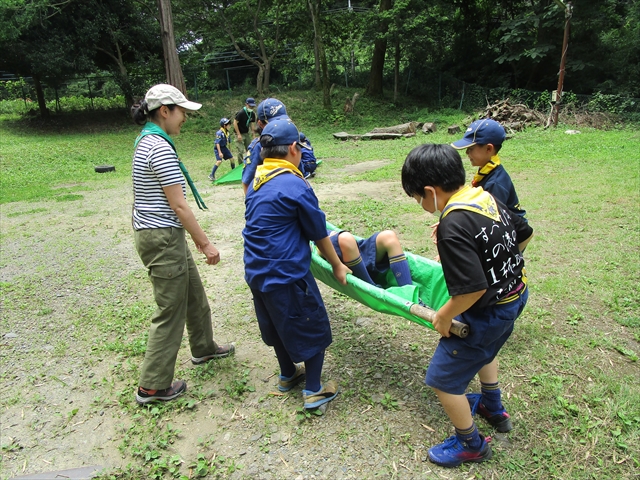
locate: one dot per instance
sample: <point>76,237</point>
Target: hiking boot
<point>177,388</point>
<point>222,352</point>
<point>500,420</point>
<point>452,452</point>
<point>328,392</point>
<point>287,383</point>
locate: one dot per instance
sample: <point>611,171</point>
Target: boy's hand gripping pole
<point>457,328</point>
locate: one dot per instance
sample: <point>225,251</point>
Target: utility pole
<point>556,97</point>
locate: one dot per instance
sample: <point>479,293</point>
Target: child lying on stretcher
<point>373,256</point>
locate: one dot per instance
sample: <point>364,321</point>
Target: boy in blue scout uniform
<point>482,142</point>
<point>480,243</point>
<point>308,164</point>
<point>220,147</point>
<point>267,109</point>
<point>282,217</point>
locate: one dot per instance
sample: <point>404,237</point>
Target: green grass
<point>571,367</point>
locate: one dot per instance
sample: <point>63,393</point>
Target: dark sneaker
<point>222,352</point>
<point>176,389</point>
<point>328,392</point>
<point>212,178</point>
<point>500,420</point>
<point>287,383</point>
<point>452,452</point>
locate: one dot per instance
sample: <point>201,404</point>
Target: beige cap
<point>163,94</point>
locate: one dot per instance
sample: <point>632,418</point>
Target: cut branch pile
<point>513,117</point>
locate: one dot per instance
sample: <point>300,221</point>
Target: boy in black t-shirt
<point>480,243</point>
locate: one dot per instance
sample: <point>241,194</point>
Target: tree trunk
<point>374,88</point>
<point>267,74</point>
<point>316,57</point>
<point>42,104</point>
<point>259,80</point>
<point>171,60</point>
<point>321,57</point>
<point>396,71</point>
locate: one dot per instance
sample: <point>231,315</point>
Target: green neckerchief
<point>249,113</point>
<point>151,128</point>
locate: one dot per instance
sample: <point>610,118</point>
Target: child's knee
<point>348,246</point>
<point>388,240</point>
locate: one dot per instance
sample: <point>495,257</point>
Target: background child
<point>480,243</point>
<point>482,141</point>
<point>282,217</point>
<point>267,110</point>
<point>242,125</point>
<point>373,256</point>
<point>308,164</point>
<point>221,149</point>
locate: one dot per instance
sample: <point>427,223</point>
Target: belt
<point>514,294</point>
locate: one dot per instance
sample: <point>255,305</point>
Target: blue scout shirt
<point>498,183</point>
<point>222,139</point>
<point>282,216</point>
<point>251,164</point>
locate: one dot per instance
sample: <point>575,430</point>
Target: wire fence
<point>434,89</point>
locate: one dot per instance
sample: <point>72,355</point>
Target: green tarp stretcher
<point>428,285</point>
<point>235,176</point>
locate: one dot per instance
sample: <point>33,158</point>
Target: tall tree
<point>252,26</point>
<point>320,56</point>
<point>39,39</point>
<point>171,60</point>
<point>376,74</point>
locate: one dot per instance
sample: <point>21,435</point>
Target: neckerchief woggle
<point>486,170</point>
<point>271,168</point>
<point>151,128</point>
<point>473,199</point>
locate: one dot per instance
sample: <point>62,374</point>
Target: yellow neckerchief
<point>271,168</point>
<point>473,199</point>
<point>486,170</point>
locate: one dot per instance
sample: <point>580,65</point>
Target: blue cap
<point>280,131</point>
<point>304,141</point>
<point>482,132</point>
<point>250,101</point>
<point>271,108</point>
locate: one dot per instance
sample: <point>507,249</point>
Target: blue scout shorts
<point>457,360</point>
<point>367,247</point>
<point>296,314</point>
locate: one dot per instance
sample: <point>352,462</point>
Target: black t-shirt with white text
<point>480,253</point>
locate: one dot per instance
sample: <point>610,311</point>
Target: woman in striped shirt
<point>160,217</point>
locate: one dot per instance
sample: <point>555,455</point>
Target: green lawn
<point>573,358</point>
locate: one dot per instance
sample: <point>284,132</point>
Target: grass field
<point>571,367</point>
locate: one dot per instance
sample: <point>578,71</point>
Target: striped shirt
<point>155,165</point>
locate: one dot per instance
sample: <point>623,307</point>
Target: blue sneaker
<point>500,420</point>
<point>328,392</point>
<point>452,452</point>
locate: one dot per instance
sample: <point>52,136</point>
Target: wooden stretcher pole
<point>457,328</point>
